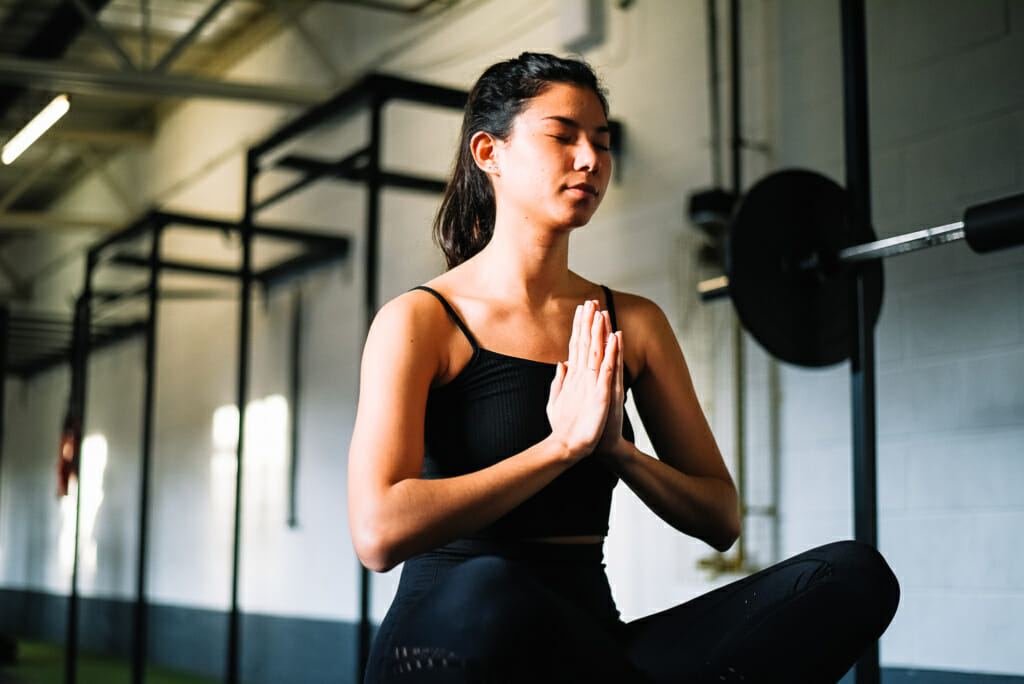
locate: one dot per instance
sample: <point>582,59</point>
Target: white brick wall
<point>946,101</point>
<point>947,117</point>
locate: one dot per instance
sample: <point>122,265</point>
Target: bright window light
<point>93,465</point>
<point>51,113</point>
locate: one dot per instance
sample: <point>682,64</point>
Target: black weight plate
<point>788,288</point>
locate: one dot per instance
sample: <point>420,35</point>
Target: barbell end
<point>995,225</point>
<point>713,288</point>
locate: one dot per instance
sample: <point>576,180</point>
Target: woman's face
<point>553,169</point>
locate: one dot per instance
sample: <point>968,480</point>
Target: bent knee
<point>863,568</point>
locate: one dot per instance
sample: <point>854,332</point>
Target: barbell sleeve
<point>995,225</point>
<point>986,228</point>
<point>901,244</point>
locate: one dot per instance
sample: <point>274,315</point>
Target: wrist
<point>619,455</point>
<point>565,451</point>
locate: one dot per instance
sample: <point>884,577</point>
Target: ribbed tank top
<point>495,408</point>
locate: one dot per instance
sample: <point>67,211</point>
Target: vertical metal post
<point>5,331</point>
<point>295,390</point>
<point>373,188</point>
<point>141,612</point>
<point>79,368</point>
<point>234,619</point>
<point>862,368</point>
<point>736,99</point>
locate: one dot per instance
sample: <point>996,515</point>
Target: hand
<point>581,393</point>
<point>612,441</point>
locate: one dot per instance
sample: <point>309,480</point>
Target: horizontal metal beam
<point>63,76</point>
<point>39,220</point>
<point>100,136</point>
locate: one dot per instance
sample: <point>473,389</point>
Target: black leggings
<point>486,612</point>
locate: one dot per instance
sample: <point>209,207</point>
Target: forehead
<point>566,101</point>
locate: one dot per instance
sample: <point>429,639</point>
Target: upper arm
<point>665,397</point>
<point>401,358</point>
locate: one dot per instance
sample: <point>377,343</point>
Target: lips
<point>584,187</point>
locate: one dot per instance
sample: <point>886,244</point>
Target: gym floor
<point>41,663</point>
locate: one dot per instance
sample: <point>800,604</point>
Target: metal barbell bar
<point>794,247</point>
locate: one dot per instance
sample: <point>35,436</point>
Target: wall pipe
<point>295,399</point>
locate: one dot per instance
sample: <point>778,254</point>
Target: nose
<point>587,157</point>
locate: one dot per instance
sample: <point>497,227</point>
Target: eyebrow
<point>575,124</point>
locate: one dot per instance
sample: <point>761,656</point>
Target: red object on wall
<point>67,459</point>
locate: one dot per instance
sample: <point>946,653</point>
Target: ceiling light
<point>51,113</point>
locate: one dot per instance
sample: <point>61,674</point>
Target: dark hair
<point>465,222</point>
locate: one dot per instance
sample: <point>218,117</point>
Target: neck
<point>524,262</point>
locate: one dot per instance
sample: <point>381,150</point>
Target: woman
<point>490,433</point>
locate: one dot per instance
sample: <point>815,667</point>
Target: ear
<point>484,147</point>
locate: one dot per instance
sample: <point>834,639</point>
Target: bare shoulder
<point>647,333</point>
<point>416,312</point>
<point>413,327</point>
<point>639,316</point>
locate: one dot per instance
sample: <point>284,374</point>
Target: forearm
<point>701,506</point>
<point>415,515</point>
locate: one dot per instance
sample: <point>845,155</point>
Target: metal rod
<point>234,627</point>
<point>141,621</point>
<point>103,34</point>
<point>175,50</point>
<point>5,329</point>
<point>75,78</point>
<point>373,86</point>
<point>295,390</point>
<point>146,33</point>
<point>373,187</point>
<point>716,287</point>
<point>736,99</point>
<point>862,367</point>
<point>714,99</point>
<point>79,375</point>
<point>902,244</point>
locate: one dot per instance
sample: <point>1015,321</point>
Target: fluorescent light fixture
<point>51,113</point>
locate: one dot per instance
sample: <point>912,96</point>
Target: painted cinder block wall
<point>947,132</point>
<point>950,340</point>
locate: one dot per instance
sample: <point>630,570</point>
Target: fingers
<point>610,362</point>
<point>574,340</point>
<point>620,391</point>
<point>591,332</point>
<point>556,384</point>
<point>598,339</point>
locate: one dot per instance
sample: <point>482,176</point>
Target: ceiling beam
<point>99,136</point>
<point>175,50</point>
<point>72,78</point>
<point>101,32</point>
<point>36,220</point>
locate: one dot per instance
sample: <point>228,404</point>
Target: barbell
<point>794,251</point>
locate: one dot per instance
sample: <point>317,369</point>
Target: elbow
<point>727,536</point>
<point>728,530</point>
<point>373,549</point>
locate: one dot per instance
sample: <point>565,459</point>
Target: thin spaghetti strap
<point>454,316</point>
<point>610,304</point>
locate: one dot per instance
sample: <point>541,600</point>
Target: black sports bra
<point>495,408</point>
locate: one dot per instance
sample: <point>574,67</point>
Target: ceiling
<point>122,62</point>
